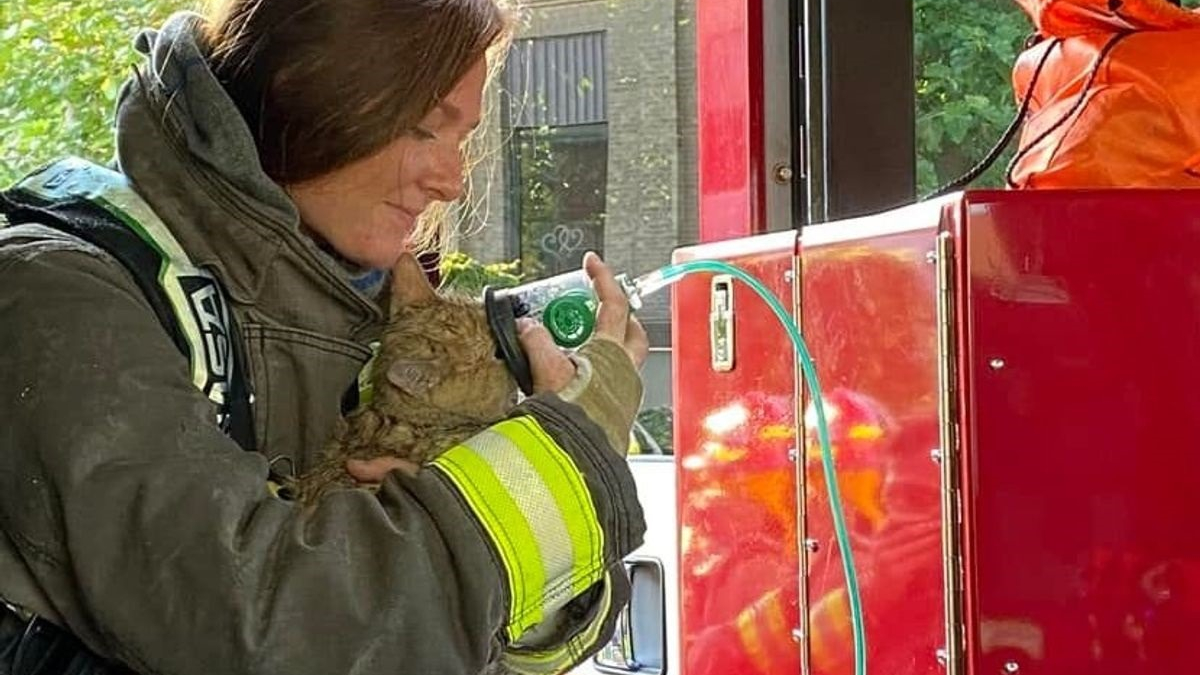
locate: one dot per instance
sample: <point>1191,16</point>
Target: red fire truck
<point>1009,377</point>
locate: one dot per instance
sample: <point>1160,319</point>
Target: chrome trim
<point>800,633</point>
<point>623,636</point>
<point>950,459</point>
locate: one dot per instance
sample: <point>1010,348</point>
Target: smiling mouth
<point>403,210</point>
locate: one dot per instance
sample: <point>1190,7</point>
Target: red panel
<point>736,483</point>
<point>1082,415</point>
<point>870,321</point>
<point>729,94</point>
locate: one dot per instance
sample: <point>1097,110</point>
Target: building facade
<point>589,142</point>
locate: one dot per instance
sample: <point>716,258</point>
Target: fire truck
<point>1008,377</point>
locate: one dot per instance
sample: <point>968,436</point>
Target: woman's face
<point>367,210</point>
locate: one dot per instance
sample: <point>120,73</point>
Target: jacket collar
<point>188,152</point>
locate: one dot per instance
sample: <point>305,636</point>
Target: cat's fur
<point>437,382</point>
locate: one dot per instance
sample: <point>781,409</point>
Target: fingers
<point>375,470</point>
<point>551,369</point>
<point>613,313</point>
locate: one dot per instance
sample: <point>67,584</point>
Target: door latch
<point>720,323</point>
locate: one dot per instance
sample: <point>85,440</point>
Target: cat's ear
<point>410,286</point>
<point>414,377</point>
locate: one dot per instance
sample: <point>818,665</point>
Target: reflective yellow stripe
<point>533,502</point>
<point>566,484</point>
<point>557,660</point>
<point>508,528</point>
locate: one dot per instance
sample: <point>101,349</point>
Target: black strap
<point>91,223</point>
<point>34,646</point>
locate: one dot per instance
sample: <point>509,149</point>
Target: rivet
<point>793,454</point>
<point>812,545</point>
<point>1012,667</point>
<point>783,174</point>
<point>943,656</point>
<point>996,363</point>
<point>936,455</point>
<point>931,257</point>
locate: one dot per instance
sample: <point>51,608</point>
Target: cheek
<point>403,161</point>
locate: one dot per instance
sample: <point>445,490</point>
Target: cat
<point>437,381</point>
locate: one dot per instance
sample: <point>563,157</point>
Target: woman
<point>289,151</point>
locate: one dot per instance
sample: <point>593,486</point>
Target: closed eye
<point>423,134</point>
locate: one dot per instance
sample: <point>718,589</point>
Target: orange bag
<point>1113,96</point>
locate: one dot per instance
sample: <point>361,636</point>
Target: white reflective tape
<point>523,483</point>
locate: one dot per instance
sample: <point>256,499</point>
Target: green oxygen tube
<point>566,305</point>
<point>658,279</point>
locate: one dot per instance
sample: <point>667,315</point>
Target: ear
<point>414,377</point>
<point>410,286</point>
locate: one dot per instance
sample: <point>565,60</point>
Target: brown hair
<point>323,83</point>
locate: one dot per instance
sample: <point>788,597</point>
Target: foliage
<point>964,53</point>
<point>61,67</point>
<point>657,423</point>
<point>464,274</point>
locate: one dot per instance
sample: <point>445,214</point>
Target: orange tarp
<point>1117,100</point>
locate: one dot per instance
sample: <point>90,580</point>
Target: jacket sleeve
<point>157,541</point>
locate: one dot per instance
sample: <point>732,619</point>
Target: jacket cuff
<point>583,627</point>
<point>608,388</point>
<point>554,519</point>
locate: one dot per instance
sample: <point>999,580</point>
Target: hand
<point>373,471</point>
<point>552,370</point>
<point>613,321</point>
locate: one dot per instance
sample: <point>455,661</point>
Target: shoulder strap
<point>97,205</point>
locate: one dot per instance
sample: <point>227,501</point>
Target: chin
<point>379,254</point>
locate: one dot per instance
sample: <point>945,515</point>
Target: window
<point>560,190</point>
<point>558,151</point>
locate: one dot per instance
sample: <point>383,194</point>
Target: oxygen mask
<point>565,304</point>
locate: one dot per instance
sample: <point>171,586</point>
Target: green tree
<point>964,54</point>
<point>61,67</point>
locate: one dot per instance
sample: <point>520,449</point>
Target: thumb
<point>551,369</point>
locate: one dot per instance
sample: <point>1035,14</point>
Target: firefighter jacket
<point>128,517</point>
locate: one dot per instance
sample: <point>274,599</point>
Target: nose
<point>444,181</point>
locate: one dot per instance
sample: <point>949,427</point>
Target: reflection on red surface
<point>868,317</point>
<point>1083,477</point>
<point>734,431</point>
<point>1078,410</point>
<point>870,320</point>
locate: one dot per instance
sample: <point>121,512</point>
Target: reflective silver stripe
<point>531,499</point>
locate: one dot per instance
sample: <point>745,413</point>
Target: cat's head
<point>438,349</point>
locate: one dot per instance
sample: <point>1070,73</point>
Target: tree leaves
<point>61,67</point>
<point>964,55</point>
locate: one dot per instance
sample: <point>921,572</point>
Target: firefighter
<point>220,293</point>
